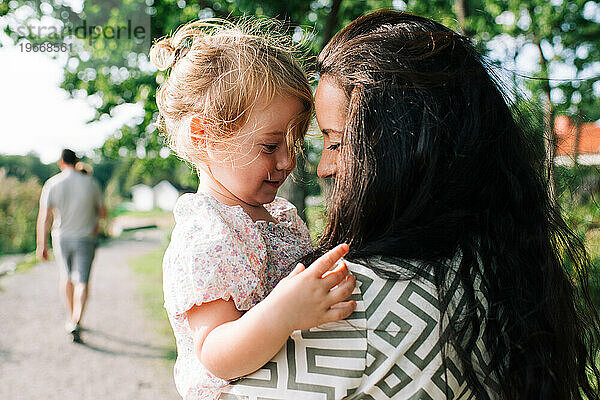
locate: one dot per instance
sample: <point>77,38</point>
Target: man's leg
<point>79,300</point>
<point>66,292</point>
<point>84,256</point>
<point>64,257</point>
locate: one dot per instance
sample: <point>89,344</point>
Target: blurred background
<point>68,80</point>
<point>76,74</point>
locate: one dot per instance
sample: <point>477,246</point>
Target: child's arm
<point>231,345</point>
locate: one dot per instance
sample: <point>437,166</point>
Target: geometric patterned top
<point>218,252</point>
<point>387,349</point>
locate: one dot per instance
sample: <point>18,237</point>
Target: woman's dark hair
<point>437,167</point>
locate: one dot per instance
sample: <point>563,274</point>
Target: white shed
<point>143,197</point>
<point>165,195</point>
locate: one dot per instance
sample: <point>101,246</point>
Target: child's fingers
<point>327,260</point>
<point>343,291</point>
<point>341,266</point>
<point>340,311</point>
<point>333,278</point>
<point>299,268</point>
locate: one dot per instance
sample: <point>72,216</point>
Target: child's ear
<point>198,133</point>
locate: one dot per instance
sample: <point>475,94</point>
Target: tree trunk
<point>331,23</point>
<point>550,135</point>
<point>578,123</point>
<point>462,12</point>
<point>294,188</point>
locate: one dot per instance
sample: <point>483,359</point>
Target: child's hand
<point>315,295</point>
<point>231,345</point>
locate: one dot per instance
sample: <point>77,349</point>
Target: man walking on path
<point>75,202</point>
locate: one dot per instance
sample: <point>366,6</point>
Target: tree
<point>565,33</point>
<point>26,167</point>
<point>116,72</point>
<point>18,213</point>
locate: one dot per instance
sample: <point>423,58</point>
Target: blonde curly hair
<point>220,70</point>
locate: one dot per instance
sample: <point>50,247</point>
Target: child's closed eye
<point>333,146</point>
<point>269,148</point>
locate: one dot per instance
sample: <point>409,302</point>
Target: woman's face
<point>330,106</point>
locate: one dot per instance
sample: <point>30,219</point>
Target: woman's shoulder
<point>402,318</point>
<point>380,268</point>
<point>414,289</point>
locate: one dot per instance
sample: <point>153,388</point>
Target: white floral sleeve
<point>218,252</point>
<point>206,261</point>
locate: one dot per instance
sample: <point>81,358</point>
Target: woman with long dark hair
<point>462,257</point>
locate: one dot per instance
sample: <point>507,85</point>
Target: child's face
<point>255,162</point>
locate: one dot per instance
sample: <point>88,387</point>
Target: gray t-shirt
<point>75,199</point>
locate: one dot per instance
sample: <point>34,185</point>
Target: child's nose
<point>285,160</point>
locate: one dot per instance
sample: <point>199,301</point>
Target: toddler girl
<point>236,105</point>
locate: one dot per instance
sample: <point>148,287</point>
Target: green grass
<point>149,269</point>
<point>156,212</point>
<point>29,261</point>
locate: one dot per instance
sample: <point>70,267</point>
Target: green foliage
<point>103,170</point>
<point>149,266</point>
<point>132,171</point>
<point>18,213</point>
<point>578,188</point>
<point>593,246</point>
<point>118,71</point>
<point>316,221</point>
<point>25,167</point>
<point>28,262</point>
<point>566,37</point>
<point>576,183</point>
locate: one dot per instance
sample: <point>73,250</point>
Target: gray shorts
<point>76,256</point>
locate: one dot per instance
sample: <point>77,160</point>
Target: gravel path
<point>122,357</point>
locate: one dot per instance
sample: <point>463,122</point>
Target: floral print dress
<point>218,252</point>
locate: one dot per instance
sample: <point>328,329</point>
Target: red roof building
<point>589,142</point>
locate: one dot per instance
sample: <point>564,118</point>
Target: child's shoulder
<point>200,212</point>
<point>282,210</point>
<point>209,232</point>
<point>200,206</point>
